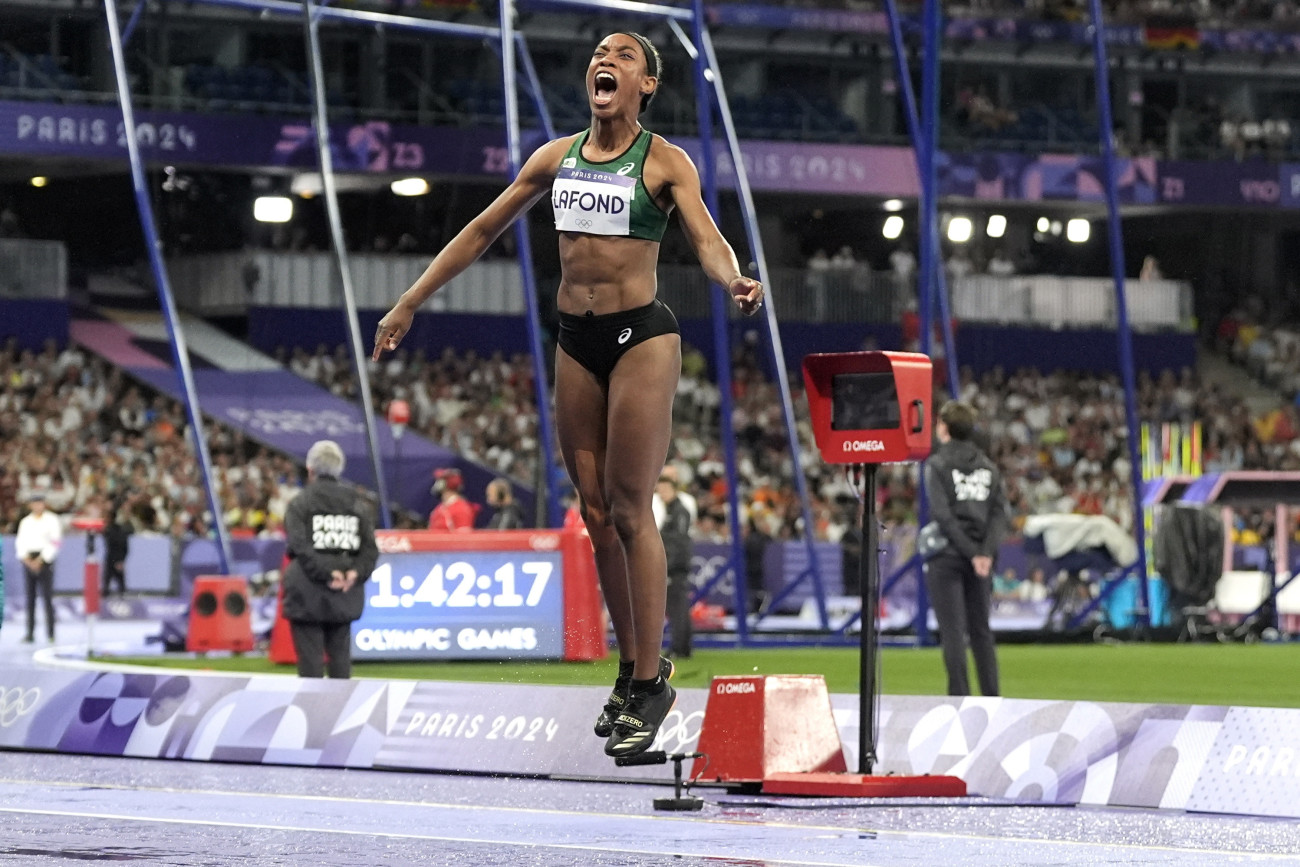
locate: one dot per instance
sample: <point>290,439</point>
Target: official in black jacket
<point>675,530</point>
<point>968,504</point>
<point>332,546</point>
<point>508,514</point>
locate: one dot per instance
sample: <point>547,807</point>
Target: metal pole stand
<point>869,646</point>
<point>678,803</point>
<point>90,588</point>
<point>91,525</point>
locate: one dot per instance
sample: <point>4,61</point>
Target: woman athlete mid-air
<point>612,188</point>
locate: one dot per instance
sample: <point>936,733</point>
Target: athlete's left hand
<point>748,294</point>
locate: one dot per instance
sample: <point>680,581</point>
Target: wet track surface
<point>78,809</point>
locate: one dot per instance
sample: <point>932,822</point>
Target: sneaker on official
<point>637,726</point>
<point>617,700</point>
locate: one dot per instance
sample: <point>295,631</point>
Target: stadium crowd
<point>1059,437</point>
<point>79,430</point>
<point>1205,13</point>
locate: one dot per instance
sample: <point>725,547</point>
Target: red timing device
<point>869,407</point>
<point>90,525</point>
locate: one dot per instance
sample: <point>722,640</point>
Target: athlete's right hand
<point>392,328</point>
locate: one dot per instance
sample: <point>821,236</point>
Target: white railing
<point>1071,302</point>
<point>33,269</point>
<point>231,282</point>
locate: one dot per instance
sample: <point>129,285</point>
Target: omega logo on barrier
<point>742,688</point>
<point>864,446</point>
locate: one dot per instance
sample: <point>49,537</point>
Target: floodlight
<point>409,187</point>
<point>273,209</point>
<point>960,230</point>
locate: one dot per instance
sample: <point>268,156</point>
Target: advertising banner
<point>1254,765</point>
<point>94,132</point>
<point>97,132</point>
<point>1197,757</point>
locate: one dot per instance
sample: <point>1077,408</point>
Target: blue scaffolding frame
<point>924,131</point>
<point>511,46</point>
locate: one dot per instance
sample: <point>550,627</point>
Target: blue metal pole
<point>924,156</point>
<point>1114,232</point>
<point>320,119</point>
<point>929,210</point>
<point>675,13</point>
<point>357,16</point>
<point>525,59</point>
<point>721,313</point>
<point>523,248</point>
<point>134,20</point>
<point>180,352</point>
<point>925,142</point>
<point>750,214</point>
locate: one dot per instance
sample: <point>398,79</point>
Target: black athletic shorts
<point>598,342</point>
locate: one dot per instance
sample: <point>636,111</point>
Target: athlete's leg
<point>580,405</point>
<point>640,396</point>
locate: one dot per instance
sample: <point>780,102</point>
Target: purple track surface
<point>73,809</point>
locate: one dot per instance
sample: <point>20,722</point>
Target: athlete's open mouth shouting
<point>604,85</point>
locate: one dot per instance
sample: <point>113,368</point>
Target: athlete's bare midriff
<point>604,274</point>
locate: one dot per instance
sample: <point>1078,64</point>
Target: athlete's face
<point>617,76</point>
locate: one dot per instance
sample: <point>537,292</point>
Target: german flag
<point>1171,32</point>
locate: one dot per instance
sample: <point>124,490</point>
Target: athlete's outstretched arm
<point>471,242</point>
<point>716,256</point>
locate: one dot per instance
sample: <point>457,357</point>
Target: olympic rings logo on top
<point>16,702</point>
<point>679,733</point>
<point>582,223</point>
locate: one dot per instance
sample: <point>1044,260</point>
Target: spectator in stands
<point>9,227</point>
<point>332,552</point>
<point>117,540</point>
<point>507,514</point>
<point>959,263</point>
<point>39,535</point>
<point>453,511</point>
<point>1000,265</point>
<point>619,356</point>
<point>903,265</point>
<point>1150,269</point>
<point>816,270</point>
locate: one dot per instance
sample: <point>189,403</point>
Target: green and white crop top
<point>607,198</point>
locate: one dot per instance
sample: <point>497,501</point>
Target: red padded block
<point>281,650</point>
<point>755,727</point>
<point>219,615</point>
<point>865,786</point>
<point>584,609</point>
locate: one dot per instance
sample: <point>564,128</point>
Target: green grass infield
<point>1262,675</point>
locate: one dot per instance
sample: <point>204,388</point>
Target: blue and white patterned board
<point>1206,758</point>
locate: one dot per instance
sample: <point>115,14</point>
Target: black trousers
<point>679,614</point>
<point>40,580</point>
<point>961,601</point>
<point>113,575</point>
<point>313,642</point>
